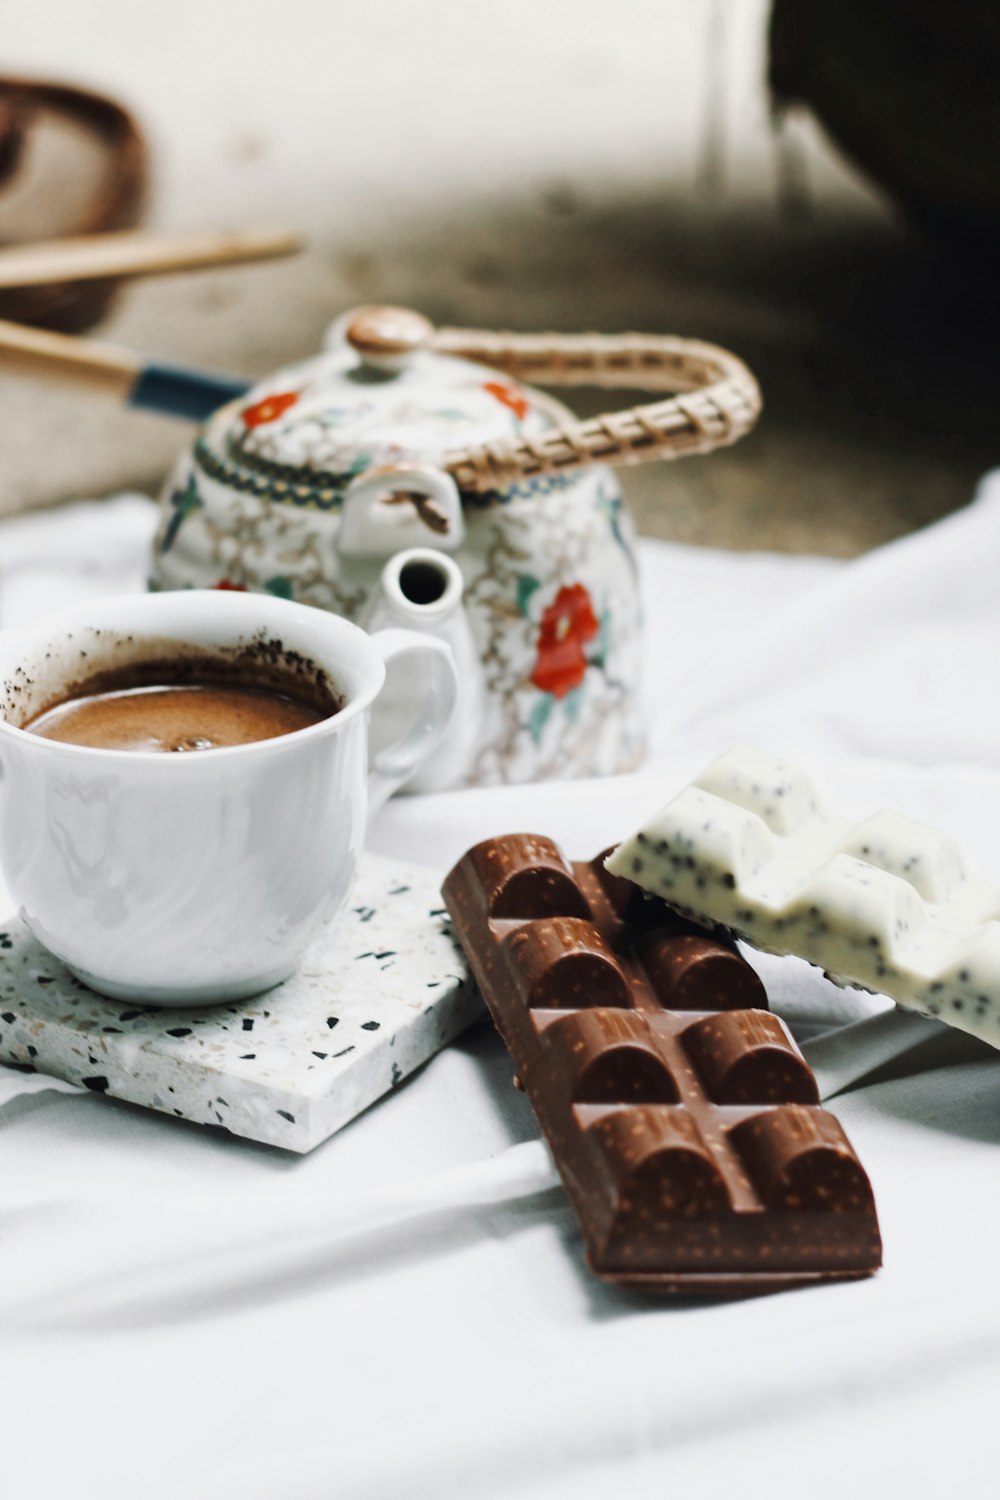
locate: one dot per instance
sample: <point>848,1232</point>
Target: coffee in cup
<point>181,707</point>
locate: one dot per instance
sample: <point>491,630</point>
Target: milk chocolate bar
<point>886,904</point>
<point>683,1120</point>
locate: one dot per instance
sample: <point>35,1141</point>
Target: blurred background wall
<point>569,164</point>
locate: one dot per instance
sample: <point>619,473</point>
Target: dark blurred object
<point>116,203</point>
<point>11,136</point>
<point>910,89</point>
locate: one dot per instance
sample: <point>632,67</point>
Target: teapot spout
<point>422,589</point>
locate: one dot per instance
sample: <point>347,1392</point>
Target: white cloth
<point>405,1311</point>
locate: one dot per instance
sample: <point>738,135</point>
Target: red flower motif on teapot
<point>567,625</point>
<point>269,409</point>
<point>509,396</point>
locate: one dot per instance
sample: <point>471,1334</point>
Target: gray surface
<point>573,167</point>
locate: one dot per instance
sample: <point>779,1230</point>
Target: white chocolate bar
<point>886,904</point>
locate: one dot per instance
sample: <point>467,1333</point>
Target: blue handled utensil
<point>146,384</point>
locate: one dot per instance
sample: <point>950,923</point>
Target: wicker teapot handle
<point>717,401</point>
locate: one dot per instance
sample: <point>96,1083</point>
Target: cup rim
<point>82,617</point>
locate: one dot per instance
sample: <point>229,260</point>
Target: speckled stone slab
<point>380,992</point>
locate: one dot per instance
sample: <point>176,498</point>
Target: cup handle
<point>396,763</point>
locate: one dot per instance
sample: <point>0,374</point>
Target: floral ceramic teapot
<point>404,436</point>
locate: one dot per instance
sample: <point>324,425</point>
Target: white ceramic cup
<point>185,879</point>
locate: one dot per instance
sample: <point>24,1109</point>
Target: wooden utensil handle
<point>718,401</point>
<point>58,356</point>
<point>151,386</point>
<point>137,252</point>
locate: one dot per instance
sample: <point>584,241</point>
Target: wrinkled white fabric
<point>405,1311</point>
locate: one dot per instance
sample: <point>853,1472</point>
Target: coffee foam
<point>90,660</point>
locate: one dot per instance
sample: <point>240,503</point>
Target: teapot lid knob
<point>387,338</point>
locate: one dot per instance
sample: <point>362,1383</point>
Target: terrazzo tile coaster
<point>379,993</point>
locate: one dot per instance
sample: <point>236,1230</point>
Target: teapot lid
<point>378,395</point>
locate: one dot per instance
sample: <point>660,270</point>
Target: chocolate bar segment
<point>744,1057</point>
<point>564,963</point>
<point>529,877</point>
<point>696,972</point>
<point>800,1158</point>
<point>683,1119</point>
<point>607,1057</point>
